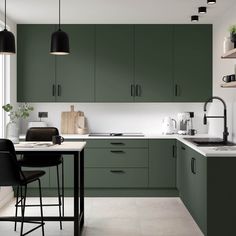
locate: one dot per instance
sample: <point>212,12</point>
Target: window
<point>4,85</point>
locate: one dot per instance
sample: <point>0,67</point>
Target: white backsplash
<point>120,117</point>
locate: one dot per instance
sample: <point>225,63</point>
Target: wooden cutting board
<point>69,121</point>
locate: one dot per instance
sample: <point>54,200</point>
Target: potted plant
<point>232,31</point>
<point>22,112</point>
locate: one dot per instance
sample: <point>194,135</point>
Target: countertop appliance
<point>183,123</point>
<point>116,134</point>
<point>168,125</point>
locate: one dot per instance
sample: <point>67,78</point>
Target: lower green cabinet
<point>192,183</point>
<point>116,177</point>
<point>162,163</point>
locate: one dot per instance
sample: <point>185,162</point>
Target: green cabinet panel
<point>117,143</point>
<point>35,66</point>
<point>153,63</point>
<point>192,183</point>
<point>75,72</point>
<point>162,164</point>
<point>114,63</point>
<point>116,178</point>
<point>192,62</point>
<point>97,157</point>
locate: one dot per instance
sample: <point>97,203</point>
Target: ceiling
<point>112,11</point>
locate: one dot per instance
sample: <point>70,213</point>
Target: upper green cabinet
<point>114,63</point>
<point>192,62</point>
<point>153,63</point>
<point>75,72</point>
<point>35,66</point>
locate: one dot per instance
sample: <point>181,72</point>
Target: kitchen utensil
<point>69,121</point>
<point>168,125</point>
<point>192,132</point>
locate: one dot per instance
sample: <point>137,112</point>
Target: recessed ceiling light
<point>211,2</point>
<point>194,18</point>
<point>202,10</point>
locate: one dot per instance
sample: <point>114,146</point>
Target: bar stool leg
<point>16,206</point>
<point>23,209</point>
<point>59,196</point>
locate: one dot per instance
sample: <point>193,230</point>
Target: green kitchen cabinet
<point>162,163</point>
<point>114,63</point>
<point>192,63</point>
<point>75,72</point>
<point>153,63</point>
<point>192,183</point>
<point>35,65</point>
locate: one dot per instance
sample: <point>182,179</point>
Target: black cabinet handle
<point>176,90</point>
<point>58,90</point>
<point>117,171</point>
<point>117,151</point>
<point>193,167</point>
<point>115,143</point>
<point>53,90</point>
<point>132,90</point>
<point>183,148</point>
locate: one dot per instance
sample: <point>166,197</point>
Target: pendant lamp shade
<point>7,40</point>
<point>60,43</point>
<point>60,39</point>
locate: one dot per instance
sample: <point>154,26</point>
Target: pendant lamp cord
<point>5,14</point>
<point>59,14</point>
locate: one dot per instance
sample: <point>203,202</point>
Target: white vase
<point>12,131</point>
<point>227,45</point>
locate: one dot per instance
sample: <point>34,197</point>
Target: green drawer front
<point>116,177</point>
<point>96,157</point>
<point>117,143</point>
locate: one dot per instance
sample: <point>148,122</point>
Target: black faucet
<point>225,133</point>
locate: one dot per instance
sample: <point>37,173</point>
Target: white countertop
<point>49,147</point>
<point>205,151</point>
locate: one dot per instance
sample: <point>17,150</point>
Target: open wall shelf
<point>229,85</point>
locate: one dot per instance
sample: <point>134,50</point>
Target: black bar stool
<point>47,160</point>
<point>11,175</point>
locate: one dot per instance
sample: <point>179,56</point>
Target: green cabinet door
<point>162,164</point>
<point>35,65</point>
<point>192,62</point>
<point>114,63</point>
<point>75,72</point>
<point>153,63</point>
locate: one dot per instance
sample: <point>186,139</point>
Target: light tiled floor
<point>116,217</point>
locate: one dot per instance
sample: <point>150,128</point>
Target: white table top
<point>49,147</point>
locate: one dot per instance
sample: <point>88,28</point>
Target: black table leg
<point>81,190</point>
<point>76,195</point>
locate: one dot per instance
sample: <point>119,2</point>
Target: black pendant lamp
<point>60,39</point>
<point>7,39</point>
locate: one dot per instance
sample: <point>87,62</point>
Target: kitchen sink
<point>209,142</point>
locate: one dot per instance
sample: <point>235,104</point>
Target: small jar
<point>227,45</point>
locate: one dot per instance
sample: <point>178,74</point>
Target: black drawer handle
<point>58,90</point>
<point>53,90</point>
<point>117,151</point>
<point>174,151</point>
<point>132,90</point>
<point>183,148</point>
<point>193,169</point>
<point>117,144</point>
<point>117,171</point>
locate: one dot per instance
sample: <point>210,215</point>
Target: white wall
<point>121,117</point>
<point>223,67</point>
